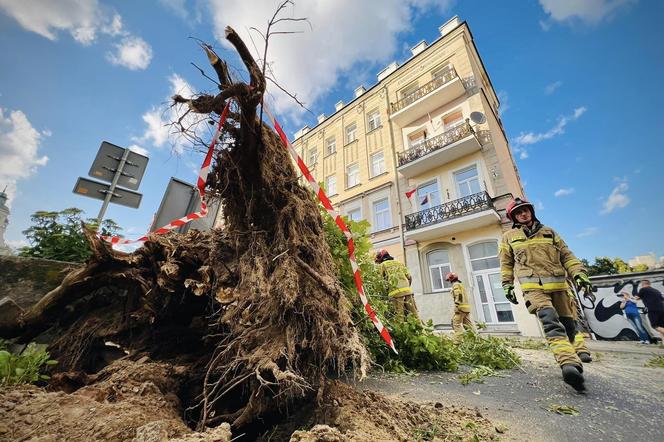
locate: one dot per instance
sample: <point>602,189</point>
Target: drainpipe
<point>396,177</point>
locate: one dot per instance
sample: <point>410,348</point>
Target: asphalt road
<point>624,401</point>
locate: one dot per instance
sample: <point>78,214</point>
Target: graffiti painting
<point>605,318</point>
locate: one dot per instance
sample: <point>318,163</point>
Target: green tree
<point>59,235</point>
<point>604,265</point>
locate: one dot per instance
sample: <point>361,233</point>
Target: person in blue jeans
<point>633,315</point>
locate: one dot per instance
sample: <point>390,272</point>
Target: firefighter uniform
<point>461,316</point>
<point>398,279</point>
<point>540,260</point>
<point>574,331</point>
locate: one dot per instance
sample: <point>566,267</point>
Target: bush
<point>25,367</point>
<point>487,351</point>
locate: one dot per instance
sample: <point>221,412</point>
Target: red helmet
<point>380,255</point>
<point>515,204</point>
<point>451,276</point>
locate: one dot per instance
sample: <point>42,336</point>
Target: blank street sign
<point>107,161</point>
<point>180,199</point>
<point>97,190</point>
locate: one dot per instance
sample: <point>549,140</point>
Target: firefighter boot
<point>572,376</point>
<point>576,338</point>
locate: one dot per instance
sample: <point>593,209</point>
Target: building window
<point>417,138</point>
<point>484,256</point>
<point>377,164</point>
<point>351,133</point>
<point>467,181</point>
<point>331,185</point>
<point>428,195</point>
<point>355,214</point>
<point>353,175</point>
<point>373,120</point>
<point>439,266</point>
<point>452,120</point>
<point>313,156</point>
<point>330,146</point>
<point>443,73</point>
<point>381,214</point>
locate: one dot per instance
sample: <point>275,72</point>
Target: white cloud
<point>84,20</point>
<point>133,53</point>
<point>539,205</point>
<point>551,88</point>
<point>618,198</point>
<point>140,150</point>
<point>158,119</point>
<point>563,192</point>
<point>530,138</point>
<point>587,11</point>
<point>588,231</point>
<point>344,33</point>
<point>19,146</point>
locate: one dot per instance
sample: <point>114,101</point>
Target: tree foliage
<point>59,235</point>
<point>604,265</point>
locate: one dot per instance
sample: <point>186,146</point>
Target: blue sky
<point>580,85</point>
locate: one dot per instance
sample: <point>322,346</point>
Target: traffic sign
<point>97,190</point>
<point>107,161</point>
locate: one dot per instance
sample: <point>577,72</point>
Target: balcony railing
<point>438,142</point>
<point>467,205</point>
<point>441,79</point>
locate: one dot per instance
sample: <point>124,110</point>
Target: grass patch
<point>655,362</point>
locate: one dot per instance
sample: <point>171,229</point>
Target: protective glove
<point>583,282</point>
<point>509,294</point>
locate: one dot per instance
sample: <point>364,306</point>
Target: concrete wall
<point>605,318</point>
<point>26,280</point>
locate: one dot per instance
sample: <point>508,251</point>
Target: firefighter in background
<point>461,318</point>
<point>398,279</point>
<point>541,261</point>
<point>573,327</point>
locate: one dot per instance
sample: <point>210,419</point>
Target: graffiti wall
<point>605,318</point>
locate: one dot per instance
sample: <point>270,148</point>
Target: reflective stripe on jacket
<point>539,262</point>
<point>397,277</point>
<point>460,298</point>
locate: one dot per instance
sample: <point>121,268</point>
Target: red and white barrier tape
<point>200,184</point>
<point>385,334</point>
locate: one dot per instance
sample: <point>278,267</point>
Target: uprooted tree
<point>254,311</point>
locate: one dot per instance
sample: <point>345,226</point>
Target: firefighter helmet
<point>517,203</point>
<point>451,276</point>
<point>380,256</point>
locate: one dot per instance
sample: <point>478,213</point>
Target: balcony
<point>448,146</point>
<point>432,95</point>
<point>452,217</point>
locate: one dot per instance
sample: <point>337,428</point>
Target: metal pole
<point>109,192</point>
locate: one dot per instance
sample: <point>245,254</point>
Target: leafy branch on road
<point>655,362</point>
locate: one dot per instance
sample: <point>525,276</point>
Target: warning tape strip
<point>340,223</point>
<point>200,185</point>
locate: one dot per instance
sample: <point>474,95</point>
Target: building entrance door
<point>496,309</point>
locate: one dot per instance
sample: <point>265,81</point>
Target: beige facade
<point>429,127</point>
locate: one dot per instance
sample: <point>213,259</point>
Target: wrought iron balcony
<point>467,205</point>
<point>441,79</point>
<point>438,142</point>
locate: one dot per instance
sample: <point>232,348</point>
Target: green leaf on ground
<point>564,409</point>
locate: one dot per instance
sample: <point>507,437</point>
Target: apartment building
<point>422,155</point>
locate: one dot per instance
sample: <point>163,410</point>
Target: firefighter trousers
<point>462,320</point>
<point>553,310</point>
<point>404,303</point>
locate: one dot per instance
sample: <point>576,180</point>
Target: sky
<point>579,84</point>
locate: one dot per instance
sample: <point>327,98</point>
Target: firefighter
<point>398,279</point>
<point>574,330</point>
<point>540,260</point>
<point>461,318</point>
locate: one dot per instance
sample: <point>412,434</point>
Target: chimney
<point>301,132</point>
<point>339,105</point>
<point>321,118</point>
<point>418,47</point>
<point>449,25</point>
<point>359,91</point>
<point>388,70</point>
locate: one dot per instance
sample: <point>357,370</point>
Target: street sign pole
<point>109,192</point>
